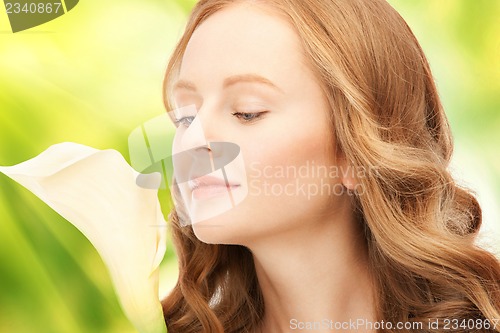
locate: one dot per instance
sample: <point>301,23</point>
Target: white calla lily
<point>96,191</point>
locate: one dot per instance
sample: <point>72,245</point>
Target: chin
<point>230,228</point>
<point>213,232</point>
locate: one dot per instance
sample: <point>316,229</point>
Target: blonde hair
<point>386,116</point>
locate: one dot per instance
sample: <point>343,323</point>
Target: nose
<point>193,137</point>
<point>193,155</point>
<point>206,135</point>
<point>200,148</point>
<point>204,128</point>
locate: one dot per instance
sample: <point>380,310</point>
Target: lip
<point>207,187</point>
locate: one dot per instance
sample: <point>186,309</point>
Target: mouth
<point>207,187</point>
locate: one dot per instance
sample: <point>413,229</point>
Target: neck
<point>315,276</point>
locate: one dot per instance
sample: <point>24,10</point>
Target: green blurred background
<point>94,74</point>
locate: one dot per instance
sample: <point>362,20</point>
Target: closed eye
<point>248,117</point>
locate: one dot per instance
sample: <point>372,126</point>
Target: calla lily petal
<point>96,191</point>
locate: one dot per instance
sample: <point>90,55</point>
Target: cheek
<point>293,146</point>
<point>291,169</point>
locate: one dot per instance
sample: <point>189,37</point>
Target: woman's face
<point>244,81</point>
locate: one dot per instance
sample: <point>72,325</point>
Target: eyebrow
<point>230,81</point>
<point>184,84</point>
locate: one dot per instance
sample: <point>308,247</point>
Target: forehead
<point>243,38</point>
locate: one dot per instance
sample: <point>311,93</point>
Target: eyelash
<point>241,116</point>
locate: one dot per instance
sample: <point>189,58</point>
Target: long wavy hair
<point>386,115</point>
